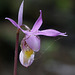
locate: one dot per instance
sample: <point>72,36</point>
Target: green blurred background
<point>57,55</point>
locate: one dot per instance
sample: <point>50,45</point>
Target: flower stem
<point>16,53</point>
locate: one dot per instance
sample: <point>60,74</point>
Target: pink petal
<point>24,60</point>
<point>20,14</point>
<point>16,25</point>
<point>50,32</point>
<point>38,23</point>
<point>12,21</point>
<point>33,42</point>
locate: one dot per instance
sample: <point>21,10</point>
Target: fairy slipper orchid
<point>31,41</point>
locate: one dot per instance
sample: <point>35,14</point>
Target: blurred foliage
<point>55,55</point>
<point>64,5</point>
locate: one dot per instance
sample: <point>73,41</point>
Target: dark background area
<point>57,54</point>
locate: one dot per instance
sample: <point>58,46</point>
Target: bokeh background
<point>57,54</point>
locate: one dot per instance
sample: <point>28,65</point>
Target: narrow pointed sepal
<point>12,21</point>
<point>50,32</point>
<point>16,25</point>
<point>20,14</point>
<point>38,23</point>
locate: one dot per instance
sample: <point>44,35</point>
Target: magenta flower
<point>31,42</point>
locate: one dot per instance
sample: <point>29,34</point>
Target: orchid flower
<point>31,42</point>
